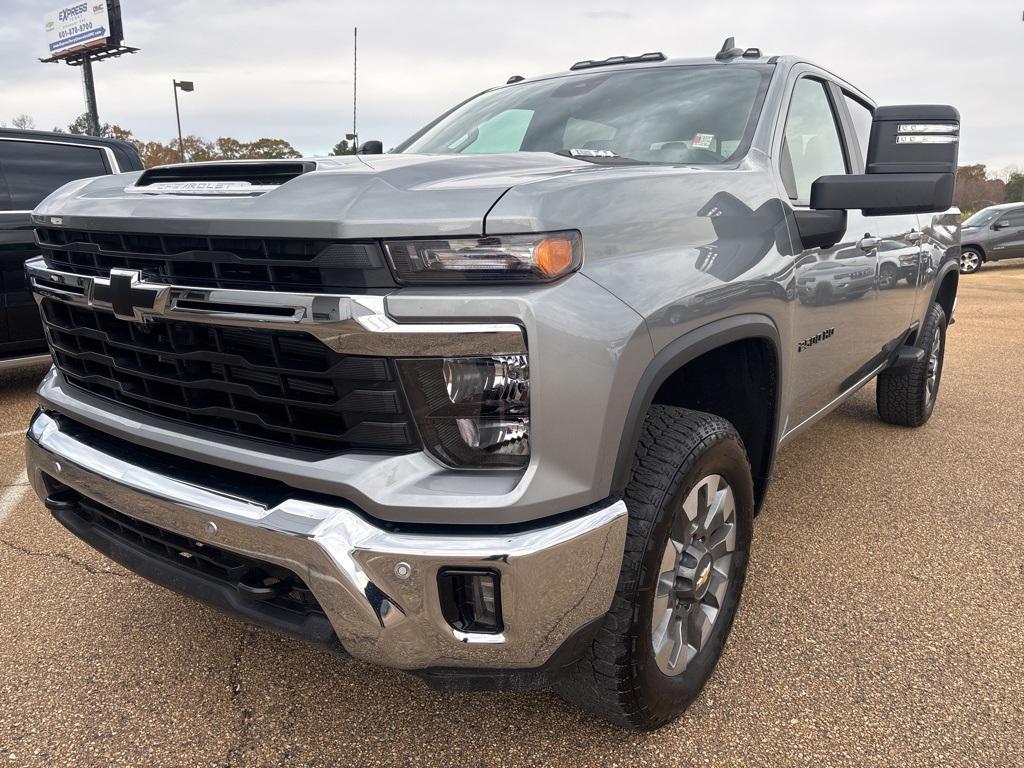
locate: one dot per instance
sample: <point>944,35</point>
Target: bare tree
<point>23,121</point>
<point>975,190</point>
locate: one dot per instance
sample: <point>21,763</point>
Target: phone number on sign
<point>75,30</point>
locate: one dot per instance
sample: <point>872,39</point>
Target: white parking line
<point>12,434</point>
<point>12,495</point>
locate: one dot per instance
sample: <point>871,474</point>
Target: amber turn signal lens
<point>554,256</point>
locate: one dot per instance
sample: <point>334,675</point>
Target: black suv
<point>992,234</point>
<point>32,165</point>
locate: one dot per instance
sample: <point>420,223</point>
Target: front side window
<point>981,218</point>
<point>811,146</point>
<point>34,169</point>
<point>687,114</point>
<point>862,117</point>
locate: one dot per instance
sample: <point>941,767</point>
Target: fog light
<point>471,599</point>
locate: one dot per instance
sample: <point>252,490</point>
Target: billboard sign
<point>81,25</point>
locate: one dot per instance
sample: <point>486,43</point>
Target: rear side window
<point>33,169</point>
<point>862,117</point>
<point>1014,219</point>
<point>811,146</point>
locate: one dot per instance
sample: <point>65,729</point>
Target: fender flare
<point>940,278</point>
<point>676,354</point>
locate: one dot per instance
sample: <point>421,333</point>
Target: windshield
<point>688,114</point>
<point>981,218</point>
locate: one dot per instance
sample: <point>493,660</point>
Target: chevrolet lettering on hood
<point>200,188</point>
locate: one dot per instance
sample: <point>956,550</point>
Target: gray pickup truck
<point>497,407</point>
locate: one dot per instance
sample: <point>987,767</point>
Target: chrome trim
<point>354,324</point>
<point>202,188</point>
<point>928,128</point>
<point>349,563</point>
<point>926,139</point>
<point>831,406</point>
<point>25,362</point>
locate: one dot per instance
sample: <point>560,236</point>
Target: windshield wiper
<point>597,156</point>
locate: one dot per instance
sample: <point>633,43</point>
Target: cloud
<point>284,69</point>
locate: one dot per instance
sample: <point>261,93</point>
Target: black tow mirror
<point>911,165</point>
<point>373,147</point>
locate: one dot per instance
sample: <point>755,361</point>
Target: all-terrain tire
<point>619,678</point>
<point>906,396</point>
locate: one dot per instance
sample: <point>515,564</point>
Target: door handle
<point>867,243</point>
<point>914,237</point>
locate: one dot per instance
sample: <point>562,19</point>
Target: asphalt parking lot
<point>882,624</point>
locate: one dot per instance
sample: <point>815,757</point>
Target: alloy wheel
<point>934,364</point>
<point>969,261</point>
<point>695,573</point>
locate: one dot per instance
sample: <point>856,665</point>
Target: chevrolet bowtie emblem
<point>127,295</point>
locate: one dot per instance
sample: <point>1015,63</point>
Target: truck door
<point>7,222</point>
<point>833,319</point>
<point>896,240</point>
<point>31,169</point>
<point>1008,236</point>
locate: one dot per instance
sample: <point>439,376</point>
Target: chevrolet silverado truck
<point>499,406</point>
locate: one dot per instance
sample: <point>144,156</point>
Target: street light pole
<point>187,86</point>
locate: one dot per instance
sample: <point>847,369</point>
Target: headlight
<point>504,258</point>
<point>472,411</point>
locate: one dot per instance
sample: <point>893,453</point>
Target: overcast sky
<point>283,68</point>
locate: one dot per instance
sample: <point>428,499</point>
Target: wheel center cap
<point>693,577</point>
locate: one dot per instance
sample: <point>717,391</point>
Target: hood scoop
<point>237,178</point>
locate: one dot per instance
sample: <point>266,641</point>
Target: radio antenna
<point>355,73</point>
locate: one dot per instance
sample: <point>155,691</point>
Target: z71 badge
<point>816,338</point>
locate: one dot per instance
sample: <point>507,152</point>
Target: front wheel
<point>887,277</point>
<point>690,502</point>
<point>970,261</point>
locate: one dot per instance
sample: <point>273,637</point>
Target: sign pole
<point>90,96</point>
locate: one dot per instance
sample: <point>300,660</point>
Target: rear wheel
<point>690,501</point>
<point>906,396</point>
<point>970,260</point>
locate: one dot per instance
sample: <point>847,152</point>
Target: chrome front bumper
<point>554,579</point>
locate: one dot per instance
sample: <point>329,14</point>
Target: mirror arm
<point>820,228</point>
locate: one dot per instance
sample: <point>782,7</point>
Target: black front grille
<point>261,581</point>
<point>267,264</point>
<point>281,387</point>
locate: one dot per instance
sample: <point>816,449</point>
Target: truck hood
<point>368,196</point>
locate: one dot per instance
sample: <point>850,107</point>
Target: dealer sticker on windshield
<point>703,141</point>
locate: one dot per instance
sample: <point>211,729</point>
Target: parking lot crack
<point>242,744</point>
<point>61,556</point>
